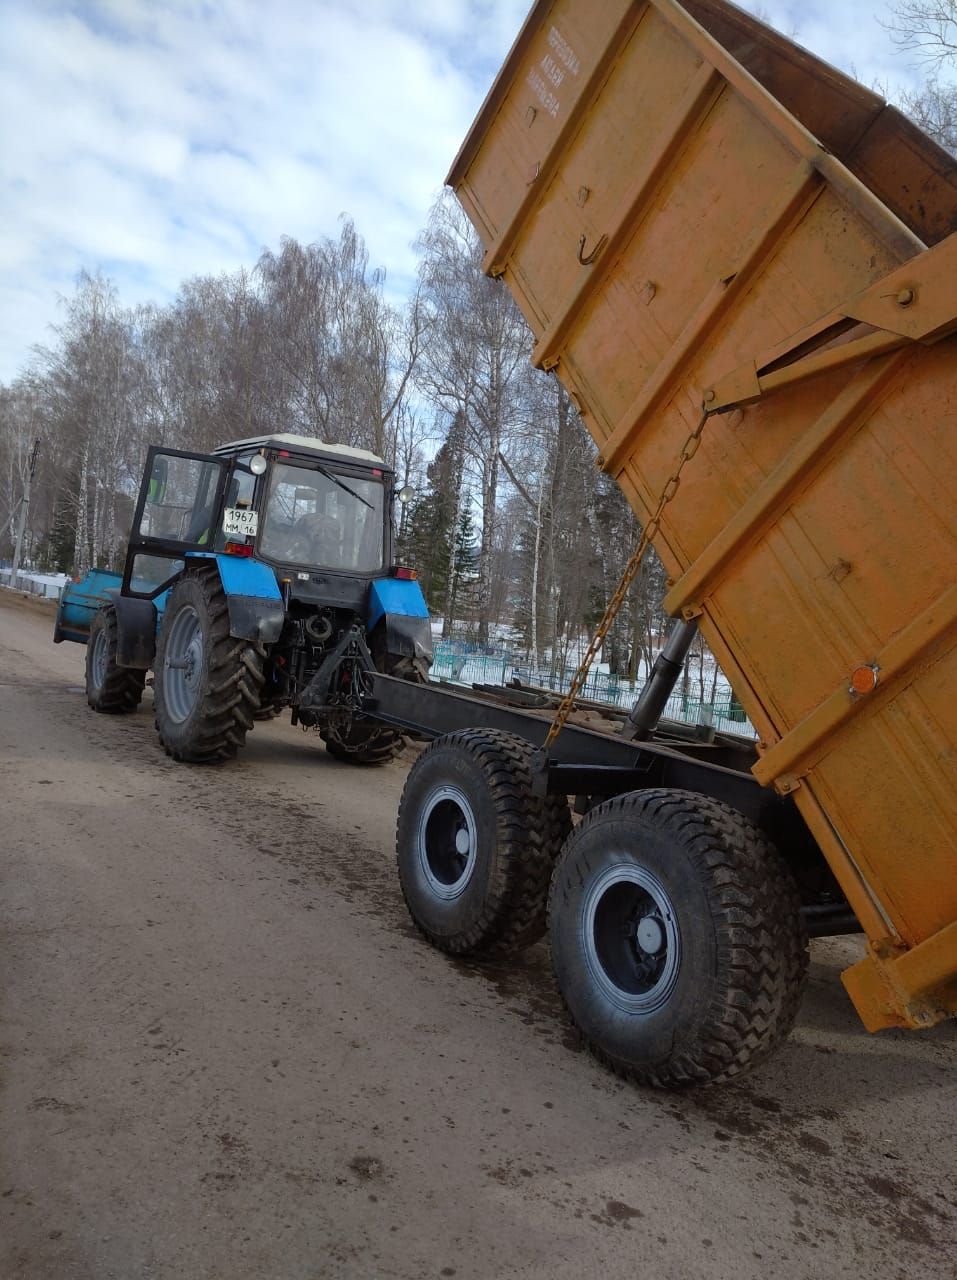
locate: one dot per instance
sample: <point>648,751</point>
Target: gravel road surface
<point>225,1052</point>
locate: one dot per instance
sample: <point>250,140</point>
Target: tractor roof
<point>301,444</point>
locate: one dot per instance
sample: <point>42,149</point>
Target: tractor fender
<point>256,609</point>
<point>398,604</point>
<point>135,631</point>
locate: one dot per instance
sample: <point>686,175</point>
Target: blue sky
<point>160,139</point>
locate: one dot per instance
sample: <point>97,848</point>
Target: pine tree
<point>465,574</point>
<point>429,537</point>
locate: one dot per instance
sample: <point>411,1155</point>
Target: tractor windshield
<point>324,519</point>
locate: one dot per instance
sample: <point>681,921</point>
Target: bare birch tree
<point>927,28</point>
<point>475,363</point>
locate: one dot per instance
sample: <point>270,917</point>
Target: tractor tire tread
<point>233,689</point>
<point>373,744</point>
<point>122,689</point>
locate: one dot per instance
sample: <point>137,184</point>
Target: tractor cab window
<point>180,500</point>
<point>324,519</point>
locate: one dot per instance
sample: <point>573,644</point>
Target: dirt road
<point>226,1053</point>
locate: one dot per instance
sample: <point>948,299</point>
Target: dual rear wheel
<point>674,925</point>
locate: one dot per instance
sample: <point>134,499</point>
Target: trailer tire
<point>475,846</point>
<point>110,689</point>
<point>207,682</point>
<point>676,938</point>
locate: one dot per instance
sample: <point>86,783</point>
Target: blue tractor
<point>258,577</point>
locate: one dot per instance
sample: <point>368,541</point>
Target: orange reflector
<point>863,680</point>
<point>238,549</point>
<point>408,574</point>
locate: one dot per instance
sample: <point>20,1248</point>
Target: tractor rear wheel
<point>365,743</point>
<point>476,846</point>
<point>207,682</point>
<point>676,938</point>
<point>110,689</point>
<point>362,743</point>
<point>269,711</point>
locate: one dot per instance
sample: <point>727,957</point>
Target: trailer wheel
<point>207,682</point>
<point>475,846</point>
<point>365,743</point>
<point>110,689</point>
<point>676,938</point>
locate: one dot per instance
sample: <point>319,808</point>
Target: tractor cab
<point>317,514</point>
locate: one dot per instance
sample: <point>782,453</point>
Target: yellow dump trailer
<point>699,219</point>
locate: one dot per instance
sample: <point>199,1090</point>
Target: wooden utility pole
<point>24,509</point>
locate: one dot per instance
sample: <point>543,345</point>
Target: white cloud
<point>851,35</point>
<point>166,138</point>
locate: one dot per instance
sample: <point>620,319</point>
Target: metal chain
<point>688,451</point>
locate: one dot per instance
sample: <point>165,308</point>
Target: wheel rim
<point>183,664</point>
<point>631,938</point>
<point>446,842</point>
<point>98,660</point>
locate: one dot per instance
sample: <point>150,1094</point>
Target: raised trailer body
<point>695,215</point>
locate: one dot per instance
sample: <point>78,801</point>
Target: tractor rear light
<point>402,571</point>
<point>239,549</point>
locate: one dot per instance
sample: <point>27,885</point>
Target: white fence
<point>36,584</point>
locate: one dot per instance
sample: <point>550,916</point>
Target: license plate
<point>239,521</point>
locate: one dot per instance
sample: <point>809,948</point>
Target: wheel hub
<point>446,842</point>
<point>650,935</point>
<point>183,664</point>
<point>631,939</point>
<point>98,660</point>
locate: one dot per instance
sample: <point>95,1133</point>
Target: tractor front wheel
<point>208,683</point>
